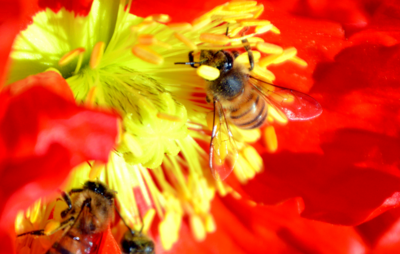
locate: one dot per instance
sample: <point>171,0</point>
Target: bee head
<point>100,189</point>
<point>221,59</point>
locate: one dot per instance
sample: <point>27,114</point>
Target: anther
<point>67,58</point>
<point>185,40</point>
<point>263,29</point>
<point>96,170</point>
<point>161,18</point>
<point>147,54</point>
<point>147,39</point>
<point>298,61</point>
<point>91,96</point>
<point>218,39</point>
<point>180,26</point>
<point>277,115</point>
<point>270,139</point>
<point>240,5</point>
<point>169,117</point>
<point>269,48</point>
<point>276,59</point>
<point>97,54</point>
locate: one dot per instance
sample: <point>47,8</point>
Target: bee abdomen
<point>250,114</point>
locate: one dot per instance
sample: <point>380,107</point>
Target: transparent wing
<point>223,151</point>
<point>293,104</point>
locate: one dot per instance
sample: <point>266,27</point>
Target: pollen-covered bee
<point>244,101</point>
<point>87,217</point>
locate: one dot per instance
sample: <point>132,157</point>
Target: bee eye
<point>229,61</point>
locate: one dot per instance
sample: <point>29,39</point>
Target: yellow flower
<point>113,59</point>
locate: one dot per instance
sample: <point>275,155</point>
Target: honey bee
<point>246,102</point>
<point>89,213</point>
<point>134,242</point>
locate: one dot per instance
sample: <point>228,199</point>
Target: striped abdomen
<point>248,110</point>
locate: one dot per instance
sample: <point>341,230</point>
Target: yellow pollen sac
<point>277,114</point>
<point>208,72</point>
<point>218,39</point>
<point>51,227</point>
<point>168,117</point>
<point>269,48</point>
<point>148,219</point>
<point>142,26</point>
<point>197,227</point>
<point>298,61</point>
<point>89,101</point>
<point>162,18</point>
<point>263,29</point>
<point>96,170</point>
<point>263,73</point>
<point>235,31</point>
<point>276,59</point>
<point>251,155</point>
<point>259,11</point>
<point>240,5</point>
<point>255,22</point>
<point>270,139</point>
<point>147,54</point>
<point>178,27</point>
<point>210,224</point>
<point>232,17</point>
<point>97,54</point>
<point>274,29</point>
<point>147,39</point>
<point>185,40</point>
<point>200,23</point>
<point>67,58</point>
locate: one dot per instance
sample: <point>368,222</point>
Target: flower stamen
<point>96,55</point>
<point>270,138</point>
<point>147,54</point>
<point>185,40</point>
<point>169,117</point>
<point>67,58</point>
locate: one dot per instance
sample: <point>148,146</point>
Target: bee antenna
<point>132,231</point>
<point>188,63</point>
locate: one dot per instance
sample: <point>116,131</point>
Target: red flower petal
<point>80,7</point>
<point>108,244</point>
<point>42,136</point>
<point>243,228</point>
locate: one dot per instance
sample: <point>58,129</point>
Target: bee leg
<point>67,200</point>
<point>191,58</point>
<point>35,232</point>
<point>246,45</point>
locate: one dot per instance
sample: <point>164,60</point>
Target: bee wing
<point>294,104</point>
<point>223,151</point>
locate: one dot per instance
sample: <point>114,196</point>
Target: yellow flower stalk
<point>115,60</point>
